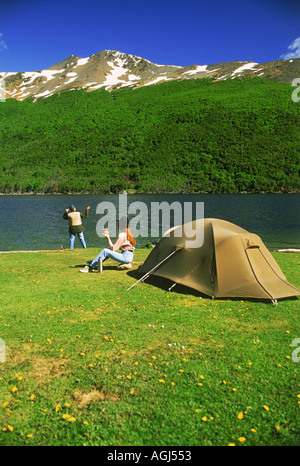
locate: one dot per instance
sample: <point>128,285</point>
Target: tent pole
<point>148,273</point>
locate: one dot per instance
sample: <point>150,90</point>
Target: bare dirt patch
<point>83,398</point>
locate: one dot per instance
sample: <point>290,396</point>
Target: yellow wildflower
<point>240,416</point>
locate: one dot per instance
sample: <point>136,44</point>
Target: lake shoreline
<point>133,192</point>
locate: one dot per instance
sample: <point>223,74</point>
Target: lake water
<point>35,222</point>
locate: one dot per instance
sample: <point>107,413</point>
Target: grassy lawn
<point>90,363</point>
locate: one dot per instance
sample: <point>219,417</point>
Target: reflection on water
<point>35,222</point>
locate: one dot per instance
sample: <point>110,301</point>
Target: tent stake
<point>171,287</point>
<point>148,273</point>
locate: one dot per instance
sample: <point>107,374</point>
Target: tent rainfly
<point>231,262</point>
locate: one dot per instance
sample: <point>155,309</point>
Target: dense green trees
<point>188,136</point>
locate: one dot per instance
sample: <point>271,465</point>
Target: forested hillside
<point>189,136</point>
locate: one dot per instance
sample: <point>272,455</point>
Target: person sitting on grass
<point>125,242</point>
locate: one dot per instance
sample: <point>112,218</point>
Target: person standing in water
<point>75,224</point>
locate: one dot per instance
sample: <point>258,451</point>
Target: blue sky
<point>36,34</point>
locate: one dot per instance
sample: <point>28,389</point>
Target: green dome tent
<point>231,262</point>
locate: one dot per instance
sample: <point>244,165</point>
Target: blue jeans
<point>81,237</point>
<point>123,257</point>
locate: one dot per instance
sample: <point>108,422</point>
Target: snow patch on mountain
<point>199,68</point>
<point>82,61</point>
<point>158,80</point>
<point>247,66</point>
<point>113,77</point>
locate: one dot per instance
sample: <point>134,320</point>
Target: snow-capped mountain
<point>111,70</point>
